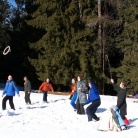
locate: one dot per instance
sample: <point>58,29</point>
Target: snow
<point>57,119</point>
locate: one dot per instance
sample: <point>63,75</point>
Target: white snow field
<point>57,119</point>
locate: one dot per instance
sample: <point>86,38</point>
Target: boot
<point>126,121</point>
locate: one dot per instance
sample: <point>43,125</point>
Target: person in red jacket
<point>73,88</point>
<point>45,87</point>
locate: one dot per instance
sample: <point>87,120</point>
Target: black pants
<point>44,96</point>
<point>91,109</point>
<point>80,108</point>
<point>70,97</point>
<point>10,98</point>
<point>27,98</point>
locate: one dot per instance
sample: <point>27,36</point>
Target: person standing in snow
<point>73,88</point>
<point>95,101</point>
<point>9,90</point>
<point>81,97</point>
<point>73,94</point>
<point>121,98</point>
<point>45,87</point>
<point>27,89</point>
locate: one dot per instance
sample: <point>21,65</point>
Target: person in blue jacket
<point>9,91</point>
<point>95,101</point>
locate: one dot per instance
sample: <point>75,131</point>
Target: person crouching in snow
<point>45,87</point>
<point>9,90</point>
<point>73,88</point>
<point>74,94</point>
<point>94,99</point>
<point>121,98</point>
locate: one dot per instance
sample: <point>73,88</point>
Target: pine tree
<point>4,24</point>
<point>127,41</point>
<point>20,34</point>
<point>68,44</point>
<point>66,48</point>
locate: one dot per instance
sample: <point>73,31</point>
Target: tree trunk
<point>101,46</point>
<point>100,29</point>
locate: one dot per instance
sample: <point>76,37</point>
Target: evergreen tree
<point>4,24</point>
<point>127,41</point>
<point>20,34</point>
<point>4,35</point>
<point>66,41</point>
<point>66,48</point>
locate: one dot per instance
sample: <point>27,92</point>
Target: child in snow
<point>73,96</point>
<point>9,90</point>
<point>95,101</point>
<point>45,87</point>
<point>121,98</point>
<point>73,88</point>
<point>27,89</point>
<point>81,95</point>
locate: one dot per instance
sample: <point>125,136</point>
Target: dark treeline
<point>61,39</point>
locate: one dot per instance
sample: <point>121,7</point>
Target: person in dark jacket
<point>9,90</point>
<point>81,95</point>
<point>95,101</point>
<point>121,98</point>
<point>27,89</point>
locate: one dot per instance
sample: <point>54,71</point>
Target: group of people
<point>81,95</point>
<point>11,88</point>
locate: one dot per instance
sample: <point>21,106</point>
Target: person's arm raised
<point>114,85</point>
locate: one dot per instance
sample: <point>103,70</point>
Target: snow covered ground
<point>57,119</point>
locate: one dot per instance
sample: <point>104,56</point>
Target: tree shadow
<point>100,110</point>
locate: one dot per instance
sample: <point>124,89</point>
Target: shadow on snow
<point>132,120</point>
<point>36,107</point>
<point>100,110</point>
<point>54,101</point>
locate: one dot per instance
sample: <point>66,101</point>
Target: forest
<point>62,39</point>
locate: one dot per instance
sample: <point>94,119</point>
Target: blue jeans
<point>73,100</point>
<point>44,96</point>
